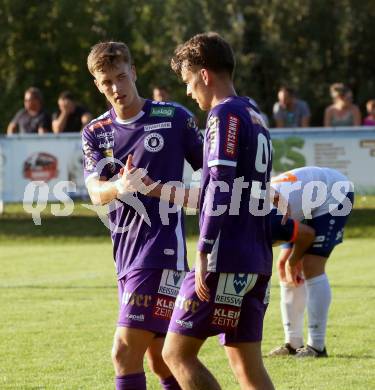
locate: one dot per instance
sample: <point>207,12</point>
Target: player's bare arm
<point>303,241</point>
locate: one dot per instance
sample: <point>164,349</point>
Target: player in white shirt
<point>322,198</point>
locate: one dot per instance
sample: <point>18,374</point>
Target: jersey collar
<point>129,120</point>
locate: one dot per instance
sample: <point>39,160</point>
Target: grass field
<point>59,307</point>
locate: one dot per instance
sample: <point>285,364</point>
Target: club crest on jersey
<point>231,137</point>
<point>154,142</point>
<point>232,287</point>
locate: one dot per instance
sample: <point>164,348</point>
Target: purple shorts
<point>235,311</point>
<point>147,298</point>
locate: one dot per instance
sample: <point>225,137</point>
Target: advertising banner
<point>348,150</point>
<point>48,158</point>
<point>55,158</point>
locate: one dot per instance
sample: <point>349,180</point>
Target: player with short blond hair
<point>150,255</point>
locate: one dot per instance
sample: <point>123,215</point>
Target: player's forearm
<point>103,192</point>
<point>304,238</point>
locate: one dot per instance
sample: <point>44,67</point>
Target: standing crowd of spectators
<point>289,111</point>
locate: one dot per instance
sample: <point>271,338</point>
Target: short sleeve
<point>91,156</point>
<point>222,138</point>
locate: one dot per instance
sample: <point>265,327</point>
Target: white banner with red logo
<point>55,158</point>
<point>47,158</point>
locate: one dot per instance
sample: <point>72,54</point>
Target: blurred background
<point>306,44</point>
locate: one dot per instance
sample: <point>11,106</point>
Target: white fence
<point>54,158</point>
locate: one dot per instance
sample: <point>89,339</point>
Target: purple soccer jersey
<point>237,149</point>
<point>160,137</point>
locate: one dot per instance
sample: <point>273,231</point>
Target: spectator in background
<point>160,94</point>
<point>32,118</point>
<point>342,112</point>
<point>370,118</point>
<point>71,116</point>
<point>290,111</point>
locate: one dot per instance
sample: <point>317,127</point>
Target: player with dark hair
<point>70,116</point>
<point>150,255</point>
<point>228,291</point>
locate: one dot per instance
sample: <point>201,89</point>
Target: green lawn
<point>59,307</point>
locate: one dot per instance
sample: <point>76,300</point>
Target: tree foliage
<point>306,43</point>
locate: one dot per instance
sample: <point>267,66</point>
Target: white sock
<point>292,305</point>
<point>318,300</point>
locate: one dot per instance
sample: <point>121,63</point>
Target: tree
<point>308,44</point>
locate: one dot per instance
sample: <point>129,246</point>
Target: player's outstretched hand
<point>201,287</point>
